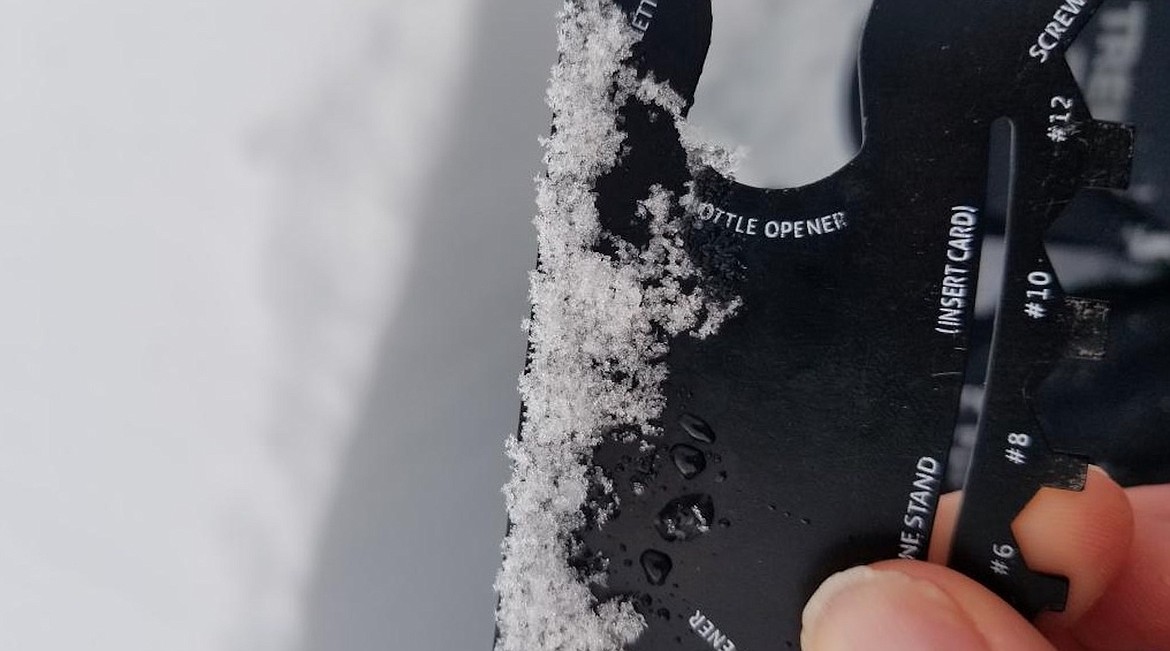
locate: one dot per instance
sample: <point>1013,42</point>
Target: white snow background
<point>263,266</point>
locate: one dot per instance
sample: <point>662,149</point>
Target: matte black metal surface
<point>812,432</point>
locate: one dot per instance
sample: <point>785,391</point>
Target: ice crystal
<point>602,319</point>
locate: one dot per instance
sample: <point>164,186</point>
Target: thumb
<point>911,606</point>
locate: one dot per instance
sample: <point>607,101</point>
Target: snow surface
<point>216,216</point>
<point>205,227</point>
<point>598,332</point>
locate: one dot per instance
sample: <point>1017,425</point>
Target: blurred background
<point>263,266</point>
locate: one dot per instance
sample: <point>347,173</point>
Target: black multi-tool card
<point>811,431</point>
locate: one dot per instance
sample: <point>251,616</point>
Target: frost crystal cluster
<point>604,311</point>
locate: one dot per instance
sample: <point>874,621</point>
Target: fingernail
<point>883,610</point>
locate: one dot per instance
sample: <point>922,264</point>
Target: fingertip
<point>910,605</point>
<point>996,621</point>
<point>1134,612</point>
<point>885,610</point>
<point>1084,536</point>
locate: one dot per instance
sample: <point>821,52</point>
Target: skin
<point>1112,543</point>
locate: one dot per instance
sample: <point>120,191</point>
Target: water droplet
<point>663,614</point>
<point>805,521</point>
<point>622,547</point>
<point>721,477</point>
<point>725,523</point>
<point>657,566</point>
<point>697,428</point>
<point>628,563</point>
<point>686,518</point>
<point>689,460</point>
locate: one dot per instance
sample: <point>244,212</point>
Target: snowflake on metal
<point>1060,133</point>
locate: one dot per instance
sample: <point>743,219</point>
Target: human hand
<point>1113,544</point>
